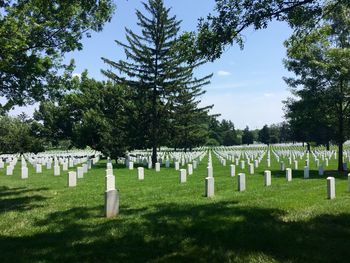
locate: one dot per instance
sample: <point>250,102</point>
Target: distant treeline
<point>224,133</point>
<point>24,134</point>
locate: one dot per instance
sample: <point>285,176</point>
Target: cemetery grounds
<point>162,220</point>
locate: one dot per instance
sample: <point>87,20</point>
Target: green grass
<point>161,220</point>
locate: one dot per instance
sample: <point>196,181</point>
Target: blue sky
<point>247,85</point>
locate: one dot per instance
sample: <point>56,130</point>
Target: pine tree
<point>155,73</point>
<point>190,127</point>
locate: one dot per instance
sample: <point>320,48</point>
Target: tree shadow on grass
<point>215,232</point>
<point>16,199</point>
<point>7,191</point>
<point>103,165</point>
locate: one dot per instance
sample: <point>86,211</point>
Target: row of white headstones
<point>68,161</point>
<point>112,197</point>
<point>258,155</point>
<point>111,193</point>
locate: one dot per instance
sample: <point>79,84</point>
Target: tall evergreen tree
<point>156,75</point>
<point>264,135</point>
<point>247,136</point>
<point>189,120</point>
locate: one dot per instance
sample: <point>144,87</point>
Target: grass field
<point>161,220</point>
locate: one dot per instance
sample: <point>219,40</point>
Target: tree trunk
<point>340,143</point>
<point>340,157</point>
<point>308,147</point>
<point>341,131</point>
<point>154,128</point>
<point>327,146</point>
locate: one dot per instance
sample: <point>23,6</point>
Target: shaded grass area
<point>161,220</point>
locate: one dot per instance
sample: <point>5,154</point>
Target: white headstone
<point>110,182</point>
<point>232,170</point>
<point>330,187</point>
<point>109,165</point>
<point>241,182</point>
<point>109,171</point>
<point>177,166</point>
<point>157,167</point>
<point>141,173</point>
<point>131,165</point>
<point>251,168</point>
<point>209,186</point>
<point>282,166</point>
<point>209,171</point>
<point>85,168</point>
<point>72,179</point>
<point>38,168</point>
<point>190,169</point>
<point>56,170</point>
<point>242,164</point>
<point>24,172</point>
<point>80,172</point>
<point>111,203</point>
<point>70,163</point>
<point>295,165</point>
<point>194,164</point>
<point>9,170</point>
<point>267,176</point>
<point>256,163</point>
<point>237,162</point>
<point>65,166</point>
<point>183,176</point>
<point>289,174</point>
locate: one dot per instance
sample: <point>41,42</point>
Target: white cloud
<point>223,73</point>
<point>268,95</point>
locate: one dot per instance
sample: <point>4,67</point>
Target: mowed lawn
<point>161,220</point>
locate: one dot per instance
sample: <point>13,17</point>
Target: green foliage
<point>223,133</point>
<point>275,133</point>
<point>160,82</point>
<point>264,135</point>
<point>321,61</point>
<point>225,26</point>
<point>34,35</point>
<point>19,135</point>
<point>247,136</point>
<point>212,142</point>
<point>189,127</point>
<point>95,115</point>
